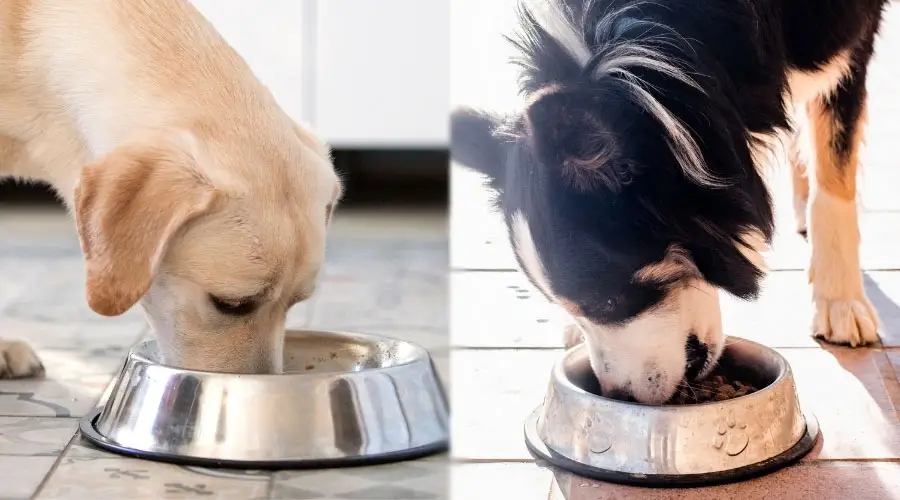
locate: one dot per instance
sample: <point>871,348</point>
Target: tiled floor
<point>386,273</point>
<point>505,338</point>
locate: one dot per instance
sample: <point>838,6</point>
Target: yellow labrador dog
<point>194,194</point>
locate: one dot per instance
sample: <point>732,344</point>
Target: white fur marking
<point>631,54</point>
<point>680,141</point>
<point>532,267</point>
<point>525,249</point>
<point>559,24</point>
<point>752,246</point>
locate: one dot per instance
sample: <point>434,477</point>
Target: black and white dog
<point>632,180</point>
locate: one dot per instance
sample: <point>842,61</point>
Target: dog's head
<point>630,201</point>
<point>216,235</point>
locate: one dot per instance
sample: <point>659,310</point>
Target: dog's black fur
<point>592,170</point>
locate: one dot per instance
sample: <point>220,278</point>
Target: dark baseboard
<point>394,177</point>
<point>13,193</point>
<point>387,177</point>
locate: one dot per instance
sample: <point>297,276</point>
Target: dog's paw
<point>18,360</point>
<point>850,322</point>
<point>572,336</point>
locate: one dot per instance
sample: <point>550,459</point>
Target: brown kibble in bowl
<point>715,387</point>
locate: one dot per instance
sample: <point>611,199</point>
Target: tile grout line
<point>270,485</point>
<point>890,380</point>
<point>55,466</point>
<point>142,332</point>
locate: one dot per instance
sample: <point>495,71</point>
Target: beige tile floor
<point>386,272</point>
<point>505,338</point>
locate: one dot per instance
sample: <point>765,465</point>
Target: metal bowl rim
<point>421,355</point>
<point>559,379</point>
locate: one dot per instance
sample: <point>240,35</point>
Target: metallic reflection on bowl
<point>343,399</point>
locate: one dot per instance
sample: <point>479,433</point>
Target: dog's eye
<point>610,304</point>
<point>231,307</point>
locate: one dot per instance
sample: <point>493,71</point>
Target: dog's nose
<point>620,394</point>
<point>697,354</point>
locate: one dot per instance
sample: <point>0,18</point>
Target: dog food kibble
<point>713,388</point>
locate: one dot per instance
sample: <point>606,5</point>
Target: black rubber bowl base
<point>541,452</point>
<point>89,433</point>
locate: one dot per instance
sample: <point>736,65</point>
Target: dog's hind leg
<point>843,313</point>
<point>799,180</point>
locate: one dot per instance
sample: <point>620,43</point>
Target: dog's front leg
<point>843,313</point>
<point>18,360</point>
<point>799,182</point>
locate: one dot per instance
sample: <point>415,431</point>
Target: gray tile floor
<point>386,273</point>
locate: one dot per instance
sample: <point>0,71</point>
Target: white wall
<point>363,73</point>
<point>268,35</point>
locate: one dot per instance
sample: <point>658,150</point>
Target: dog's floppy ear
<point>128,205</point>
<point>474,144</point>
<point>565,134</point>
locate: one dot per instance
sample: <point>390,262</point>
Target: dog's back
<point>80,77</point>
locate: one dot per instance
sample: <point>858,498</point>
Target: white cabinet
<point>269,35</point>
<point>362,73</point>
<point>382,76</point>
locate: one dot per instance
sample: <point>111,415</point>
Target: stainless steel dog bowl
<point>685,445</point>
<point>344,399</point>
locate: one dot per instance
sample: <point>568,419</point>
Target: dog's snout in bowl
<point>731,377</point>
<point>580,429</point>
<point>697,355</point>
